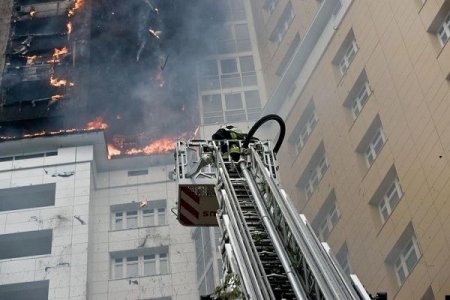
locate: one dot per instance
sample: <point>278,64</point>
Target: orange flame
<point>113,151</point>
<point>78,4</point>
<point>162,145</point>
<point>97,123</point>
<point>57,97</point>
<point>69,28</point>
<point>59,82</point>
<point>57,53</point>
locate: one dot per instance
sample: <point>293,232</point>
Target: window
<point>407,260</point>
<point>360,100</point>
<point>443,32</point>
<point>36,290</point>
<point>306,131</point>
<point>27,197</point>
<point>388,195</point>
<point>138,172</point>
<point>233,38</point>
<point>288,56</point>
<point>346,53</point>
<point>230,76</point>
<point>429,295</point>
<point>375,146</point>
<point>358,95</point>
<point>228,66</point>
<point>314,172</point>
<point>326,218</point>
<point>347,59</point>
<point>208,75</point>
<point>372,142</point>
<point>270,5</point>
<point>344,260</point>
<point>24,244</point>
<point>212,109</point>
<point>28,156</point>
<point>247,70</point>
<point>390,200</point>
<point>405,254</point>
<point>253,104</point>
<point>131,219</point>
<point>283,24</point>
<point>234,108</point>
<point>304,127</point>
<point>150,262</point>
<point>128,216</point>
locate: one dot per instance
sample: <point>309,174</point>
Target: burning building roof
<point>129,63</point>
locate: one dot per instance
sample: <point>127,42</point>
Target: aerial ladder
<point>271,248</point>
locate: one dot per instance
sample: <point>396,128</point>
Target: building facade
<point>364,89</point>
<point>75,225</point>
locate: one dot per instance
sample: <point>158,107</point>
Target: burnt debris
<point>109,59</point>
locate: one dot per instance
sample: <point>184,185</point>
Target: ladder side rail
<point>309,274</point>
<point>242,232</point>
<point>329,282</point>
<point>276,240</point>
<point>236,260</point>
<point>246,268</point>
<point>181,159</point>
<point>356,284</point>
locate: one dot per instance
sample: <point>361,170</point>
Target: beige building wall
<point>407,70</point>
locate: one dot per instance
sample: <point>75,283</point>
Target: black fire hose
<point>258,124</point>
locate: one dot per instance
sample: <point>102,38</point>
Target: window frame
<point>445,28</point>
<point>400,262</point>
<point>385,201</point>
<point>329,222</point>
<point>371,153</point>
<point>283,24</point>
<point>123,263</point>
<point>316,176</point>
<point>140,218</point>
<point>348,56</point>
<point>360,99</point>
<point>306,131</point>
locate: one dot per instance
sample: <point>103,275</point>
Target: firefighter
<point>233,135</point>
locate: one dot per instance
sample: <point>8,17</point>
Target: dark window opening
<point>37,290</point>
<point>27,197</point>
<point>138,173</point>
<point>25,244</point>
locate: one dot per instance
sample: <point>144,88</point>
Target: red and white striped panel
<point>188,203</point>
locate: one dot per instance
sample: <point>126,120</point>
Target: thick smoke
<point>143,57</point>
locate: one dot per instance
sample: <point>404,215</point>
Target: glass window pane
<point>241,32</point>
<point>233,101</point>
<point>148,217</point>
<point>411,260</point>
<point>229,66</point>
<point>209,68</point>
<point>163,264</point>
<point>132,266</point>
<point>132,219</point>
<point>212,103</point>
<point>118,221</point>
<point>247,64</point>
<point>118,268</point>
<point>161,216</point>
<point>252,99</point>
<point>149,265</point>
